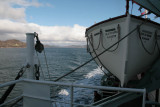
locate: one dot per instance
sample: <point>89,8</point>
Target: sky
<point>57,22</point>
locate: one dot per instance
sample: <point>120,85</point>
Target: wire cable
<point>47,64</point>
<point>98,54</point>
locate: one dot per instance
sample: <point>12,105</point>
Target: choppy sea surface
<point>59,61</point>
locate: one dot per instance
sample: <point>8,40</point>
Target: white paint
<point>30,55</point>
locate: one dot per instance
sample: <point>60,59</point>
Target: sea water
<point>59,61</point>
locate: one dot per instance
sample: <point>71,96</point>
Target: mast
<point>127,7</point>
<point>30,55</point>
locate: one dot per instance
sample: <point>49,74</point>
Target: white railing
<point>39,92</point>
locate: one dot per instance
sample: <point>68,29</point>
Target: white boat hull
<point>132,55</point>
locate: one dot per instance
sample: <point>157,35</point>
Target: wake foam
<point>63,92</point>
<point>82,95</point>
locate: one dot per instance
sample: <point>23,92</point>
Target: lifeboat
<point>130,45</point>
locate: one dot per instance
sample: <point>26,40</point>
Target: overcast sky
<point>58,22</point>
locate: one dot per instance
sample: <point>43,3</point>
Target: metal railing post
<point>71,96</point>
<point>144,98</point>
<point>30,54</point>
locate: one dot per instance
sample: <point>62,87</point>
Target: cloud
<point>24,3</point>
<point>14,25</point>
<point>15,9</point>
<point>8,12</point>
<point>51,35</point>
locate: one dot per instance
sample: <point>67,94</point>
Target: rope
<point>39,48</point>
<point>47,64</point>
<point>118,28</point>
<point>150,53</point>
<point>101,41</point>
<point>88,49</point>
<point>99,60</point>
<point>157,41</point>
<point>98,54</point>
<point>98,43</point>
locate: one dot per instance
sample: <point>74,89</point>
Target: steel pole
<point>30,55</point>
<point>71,94</point>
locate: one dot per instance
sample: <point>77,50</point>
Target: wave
<point>81,95</point>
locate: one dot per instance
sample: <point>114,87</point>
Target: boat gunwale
<point>119,17</point>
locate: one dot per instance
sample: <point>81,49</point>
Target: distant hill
<point>12,43</point>
<point>76,46</point>
<point>70,46</point>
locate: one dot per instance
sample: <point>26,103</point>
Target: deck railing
<point>37,93</point>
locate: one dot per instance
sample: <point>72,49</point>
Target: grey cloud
<point>48,34</point>
<point>8,11</point>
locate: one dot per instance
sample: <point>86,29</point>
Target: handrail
<point>86,86</point>
<point>72,86</point>
<point>14,99</point>
<point>10,83</point>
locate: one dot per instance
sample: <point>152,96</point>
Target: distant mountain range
<point>75,46</point>
<point>70,46</point>
<point>13,43</point>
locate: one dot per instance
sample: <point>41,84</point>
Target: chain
<point>37,73</point>
<point>40,65</point>
<point>21,72</point>
<point>10,88</point>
